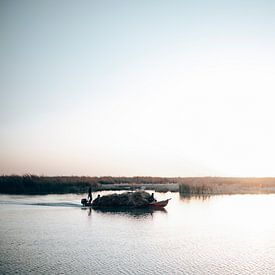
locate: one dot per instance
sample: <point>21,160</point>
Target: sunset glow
<point>123,88</point>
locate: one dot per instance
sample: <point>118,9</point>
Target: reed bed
<point>219,185</point>
<point>32,184</point>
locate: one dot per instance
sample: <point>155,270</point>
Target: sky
<point>137,88</point>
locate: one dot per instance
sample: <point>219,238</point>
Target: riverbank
<point>31,184</point>
<point>228,186</point>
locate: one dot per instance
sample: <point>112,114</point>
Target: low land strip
<point>32,184</point>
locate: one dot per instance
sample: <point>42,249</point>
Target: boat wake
<point>56,204</point>
<point>50,204</point>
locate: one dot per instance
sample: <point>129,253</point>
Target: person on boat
<point>90,194</point>
<point>151,198</point>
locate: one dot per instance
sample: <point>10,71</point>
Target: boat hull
<point>159,204</point>
<point>155,204</point>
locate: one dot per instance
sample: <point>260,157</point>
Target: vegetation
<point>194,189</point>
<point>31,184</point>
<point>220,185</point>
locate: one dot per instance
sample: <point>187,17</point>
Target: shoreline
<point>35,185</point>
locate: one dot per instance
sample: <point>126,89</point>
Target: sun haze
<point>160,88</point>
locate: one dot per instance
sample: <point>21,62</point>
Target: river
<point>52,234</point>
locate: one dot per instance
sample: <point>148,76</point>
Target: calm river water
<point>216,235</point>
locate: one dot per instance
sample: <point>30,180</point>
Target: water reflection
<point>135,212</point>
<point>191,197</point>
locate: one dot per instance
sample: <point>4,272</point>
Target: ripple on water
<point>189,238</point>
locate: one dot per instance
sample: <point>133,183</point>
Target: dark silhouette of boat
<point>145,203</point>
<point>159,204</point>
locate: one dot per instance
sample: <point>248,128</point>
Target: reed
<point>220,185</point>
<point>194,189</point>
<point>32,184</point>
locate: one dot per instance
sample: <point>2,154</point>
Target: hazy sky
<point>161,88</point>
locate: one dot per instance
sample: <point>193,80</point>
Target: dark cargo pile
<point>126,199</point>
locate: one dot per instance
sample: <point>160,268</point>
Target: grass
<point>32,184</point>
<point>221,185</point>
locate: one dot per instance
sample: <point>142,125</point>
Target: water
<point>216,235</point>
